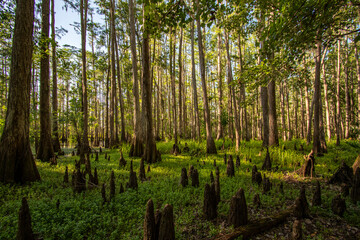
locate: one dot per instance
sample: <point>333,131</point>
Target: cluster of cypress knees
<point>160,225</point>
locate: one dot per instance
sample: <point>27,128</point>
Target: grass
<point>83,215</point>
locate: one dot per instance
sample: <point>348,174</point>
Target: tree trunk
<point>358,76</point>
<point>45,151</point>
<point>113,140</point>
<point>151,155</point>
<point>273,132</point>
<point>317,89</point>
<point>230,80</point>
<point>308,115</point>
<point>181,121</point>
<point>288,111</point>
<point>137,141</point>
<point>220,132</point>
<point>17,164</point>
<point>327,112</point>
<point>210,144</point>
<point>194,88</point>
<point>56,141</point>
<point>245,130</point>
<point>172,76</point>
<point>338,110</point>
<point>282,105</point>
<point>123,136</point>
<point>347,94</point>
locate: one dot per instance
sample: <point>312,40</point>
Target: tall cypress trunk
<point>282,105</point>
<point>121,99</point>
<point>56,141</point>
<point>327,112</point>
<point>45,151</point>
<point>230,80</point>
<point>85,140</point>
<point>358,76</point>
<point>317,88</point>
<point>308,115</point>
<point>273,133</point>
<point>137,147</point>
<point>347,95</point>
<point>113,140</point>
<point>194,88</point>
<point>151,154</point>
<point>338,109</point>
<point>288,111</point>
<point>17,164</point>
<point>172,76</point>
<point>220,133</point>
<point>181,122</point>
<point>210,144</point>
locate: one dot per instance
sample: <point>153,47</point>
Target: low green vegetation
<point>84,215</point>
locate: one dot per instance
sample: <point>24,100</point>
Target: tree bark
<point>358,76</point>
<point>151,155</point>
<point>113,140</point>
<point>317,89</point>
<point>56,141</point>
<point>17,164</point>
<point>210,144</point>
<point>137,141</point>
<point>181,121</point>
<point>338,109</point>
<point>220,131</point>
<point>327,112</point>
<point>85,141</point>
<point>230,80</point>
<point>273,132</point>
<point>194,88</point>
<point>45,151</point>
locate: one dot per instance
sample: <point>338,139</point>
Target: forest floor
<point>83,216</point>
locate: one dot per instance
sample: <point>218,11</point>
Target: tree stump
<point>225,162</point>
<point>238,215</point>
<point>66,176</point>
<point>256,200</point>
<point>217,185</point>
<point>142,176</point>
<point>195,178</point>
<point>149,222</point>
<point>80,182</point>
<point>301,205</point>
<point>344,174</point>
<point>186,149</point>
<point>132,178</point>
<point>184,177</point>
<point>121,188</point>
<point>230,167</point>
<point>24,223</point>
<point>122,161</point>
<point>356,164</point>
<point>157,223</point>
<point>209,208</point>
<point>96,179</point>
<point>148,169</point>
<point>355,190</point>
<point>175,150</point>
<point>266,184</point>
<point>253,172</point>
<point>316,201</point>
<point>267,162</point>
<point>96,157</point>
<point>191,169</point>
<point>308,168</point>
<point>296,230</point>
<point>338,205</point>
<point>112,185</point>
<point>103,193</point>
<point>237,161</point>
<point>167,227</point>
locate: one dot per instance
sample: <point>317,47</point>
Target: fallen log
<point>258,226</point>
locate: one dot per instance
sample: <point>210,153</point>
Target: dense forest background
<point>239,69</point>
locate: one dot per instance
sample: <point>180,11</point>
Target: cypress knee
<point>167,228</point>
<point>230,167</point>
<point>217,185</point>
<point>184,177</point>
<point>149,222</point>
<point>209,208</point>
<point>238,215</point>
<point>112,185</point>
<point>267,162</point>
<point>317,195</point>
<point>24,223</point>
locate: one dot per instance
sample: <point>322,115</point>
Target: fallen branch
<point>258,226</point>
